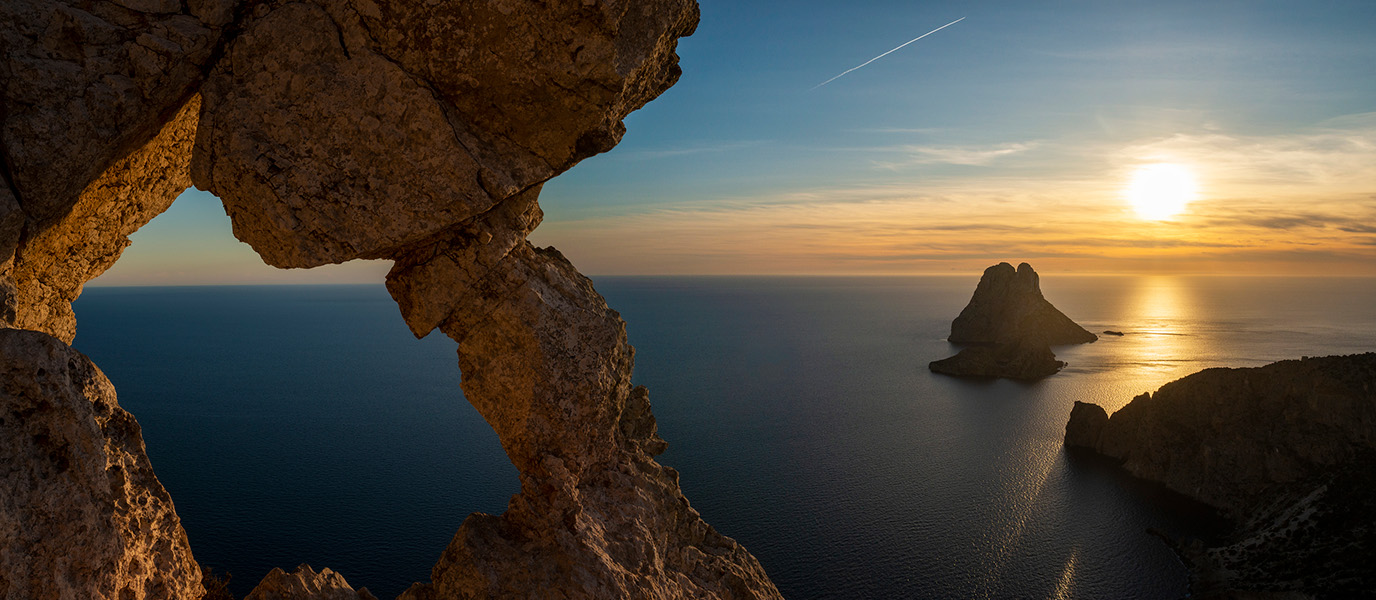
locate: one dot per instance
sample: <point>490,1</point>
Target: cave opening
<point>289,413</point>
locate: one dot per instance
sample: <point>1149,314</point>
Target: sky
<point>1009,136</point>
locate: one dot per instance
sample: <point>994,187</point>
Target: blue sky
<point>1007,136</point>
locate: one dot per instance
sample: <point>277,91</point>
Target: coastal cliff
<point>1009,328</point>
<point>1283,450</point>
<point>334,130</point>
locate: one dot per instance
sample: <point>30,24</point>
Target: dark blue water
<point>304,424</point>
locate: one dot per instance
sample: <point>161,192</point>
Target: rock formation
<point>81,513</point>
<point>1024,360</point>
<point>305,584</point>
<point>416,132</point>
<point>1283,450</point>
<point>1008,306</point>
<point>1009,328</point>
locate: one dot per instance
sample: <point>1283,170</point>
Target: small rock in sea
<point>1112,332</point>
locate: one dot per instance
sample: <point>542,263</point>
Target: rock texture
<point>81,513</point>
<point>547,364</point>
<point>338,129</point>
<point>1008,306</point>
<point>1023,360</point>
<point>1284,450</point>
<point>54,262</point>
<point>419,132</point>
<point>306,584</point>
<point>1010,328</point>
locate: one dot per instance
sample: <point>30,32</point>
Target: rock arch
<point>343,129</point>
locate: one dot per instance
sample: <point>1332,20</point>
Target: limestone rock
<point>420,132</point>
<point>81,513</point>
<point>54,262</point>
<point>547,364</point>
<point>1284,450</point>
<point>1008,306</point>
<point>86,83</point>
<point>335,130</point>
<point>306,584</point>
<point>1024,360</point>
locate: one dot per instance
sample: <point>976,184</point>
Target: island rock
<point>1008,306</point>
<point>1009,328</point>
<point>1022,360</point>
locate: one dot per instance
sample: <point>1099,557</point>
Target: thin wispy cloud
<point>972,156</point>
<point>900,47</point>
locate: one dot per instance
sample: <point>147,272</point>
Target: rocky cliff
<point>1284,450</point>
<point>343,129</point>
<point>1009,328</point>
<point>81,513</point>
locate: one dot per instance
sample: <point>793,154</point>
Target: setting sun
<point>1160,191</point>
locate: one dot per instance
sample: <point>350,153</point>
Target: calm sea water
<point>305,424</point>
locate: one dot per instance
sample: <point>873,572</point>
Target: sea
<point>307,425</point>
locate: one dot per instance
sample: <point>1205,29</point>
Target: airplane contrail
<point>889,52</point>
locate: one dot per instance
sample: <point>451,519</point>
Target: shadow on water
<point>1183,516</point>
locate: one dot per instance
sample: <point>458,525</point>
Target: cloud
<point>1338,155</point>
<point>973,156</point>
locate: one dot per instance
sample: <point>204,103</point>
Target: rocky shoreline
<point>1284,451</point>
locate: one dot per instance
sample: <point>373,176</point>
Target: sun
<point>1160,191</point>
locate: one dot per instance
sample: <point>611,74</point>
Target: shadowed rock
<point>1019,360</point>
<point>1009,328</point>
<point>1008,306</point>
<point>1284,450</point>
<point>1086,425</point>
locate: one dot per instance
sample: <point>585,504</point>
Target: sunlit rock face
<point>343,129</point>
<point>81,513</point>
<point>1284,450</point>
<point>53,262</point>
<point>547,363</point>
<point>306,584</point>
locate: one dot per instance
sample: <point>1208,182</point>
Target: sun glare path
<point>1161,191</point>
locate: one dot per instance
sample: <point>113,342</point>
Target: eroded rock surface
<point>338,129</point>
<point>87,82</point>
<point>343,129</point>
<point>1009,329</point>
<point>547,364</point>
<point>1284,450</point>
<point>54,262</point>
<point>81,513</point>
<point>306,584</point>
